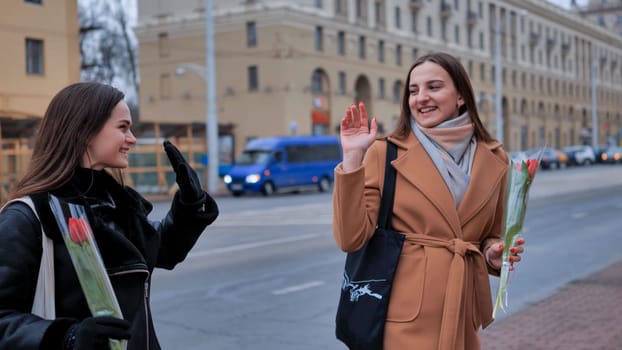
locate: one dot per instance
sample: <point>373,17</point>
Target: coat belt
<point>463,251</point>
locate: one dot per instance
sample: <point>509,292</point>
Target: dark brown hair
<point>463,85</point>
<point>74,116</point>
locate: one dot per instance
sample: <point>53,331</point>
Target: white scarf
<point>451,145</point>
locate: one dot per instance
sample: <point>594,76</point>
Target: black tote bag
<point>368,276</point>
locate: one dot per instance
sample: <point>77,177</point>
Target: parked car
<point>289,163</point>
<point>613,154</point>
<point>564,161</point>
<point>580,154</point>
<point>549,159</point>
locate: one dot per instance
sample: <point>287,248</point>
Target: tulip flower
<point>520,177</point>
<point>80,242</point>
<point>77,230</point>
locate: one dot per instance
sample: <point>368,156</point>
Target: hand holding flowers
<point>504,254</point>
<point>107,325</point>
<point>495,252</point>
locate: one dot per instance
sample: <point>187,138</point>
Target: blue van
<point>285,163</point>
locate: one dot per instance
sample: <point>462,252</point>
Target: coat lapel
<point>488,170</point>
<point>416,166</point>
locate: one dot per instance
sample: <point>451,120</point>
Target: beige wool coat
<point>441,294</point>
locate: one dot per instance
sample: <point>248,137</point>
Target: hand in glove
<point>93,333</point>
<point>186,177</point>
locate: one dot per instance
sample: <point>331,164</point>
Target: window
<point>429,25</point>
<point>481,40</point>
<point>362,47</point>
<point>359,8</point>
<point>251,34</point>
<point>398,17</point>
<point>398,55</point>
<point>340,7</point>
<point>341,43</point>
<point>318,4</point>
<point>38,2</point>
<point>34,56</point>
<point>163,45</point>
<point>165,86</point>
<point>413,21</point>
<point>319,38</point>
<point>397,91</point>
<point>253,78</point>
<point>381,91</point>
<point>381,51</point>
<point>457,33</point>
<point>482,71</point>
<point>342,83</point>
<point>415,54</point>
<point>316,82</point>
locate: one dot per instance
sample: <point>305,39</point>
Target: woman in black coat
<point>83,138</point>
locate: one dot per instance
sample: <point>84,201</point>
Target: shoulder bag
<point>44,302</point>
<point>368,276</point>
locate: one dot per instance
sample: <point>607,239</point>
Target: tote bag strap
<point>388,190</point>
<point>44,301</point>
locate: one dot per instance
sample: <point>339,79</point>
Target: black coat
<point>131,247</point>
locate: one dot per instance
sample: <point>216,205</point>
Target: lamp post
<point>595,61</point>
<point>208,73</point>
<point>498,82</point>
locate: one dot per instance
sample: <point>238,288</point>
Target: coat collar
<point>416,166</point>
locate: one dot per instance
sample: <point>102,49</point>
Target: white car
<point>580,155</point>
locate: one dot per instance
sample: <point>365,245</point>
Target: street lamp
<point>208,73</point>
<point>498,81</point>
<point>594,83</point>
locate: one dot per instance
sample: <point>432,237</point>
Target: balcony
<point>534,38</point>
<point>416,5</point>
<point>471,19</point>
<point>550,43</point>
<point>445,10</point>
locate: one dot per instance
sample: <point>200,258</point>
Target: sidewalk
<point>586,314</point>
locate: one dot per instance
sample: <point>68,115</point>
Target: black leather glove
<point>186,177</point>
<point>93,333</point>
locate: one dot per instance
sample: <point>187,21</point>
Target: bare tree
<point>108,46</point>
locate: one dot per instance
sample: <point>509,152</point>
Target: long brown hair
<point>463,85</point>
<point>74,116</point>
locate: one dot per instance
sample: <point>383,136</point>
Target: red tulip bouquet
<point>78,237</point>
<point>520,177</point>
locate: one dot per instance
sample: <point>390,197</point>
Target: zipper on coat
<point>145,299</point>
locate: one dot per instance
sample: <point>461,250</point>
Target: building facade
<point>287,67</point>
<point>605,13</point>
<point>41,55</point>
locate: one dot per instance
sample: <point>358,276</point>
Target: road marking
<point>578,215</point>
<point>298,287</point>
<point>245,246</point>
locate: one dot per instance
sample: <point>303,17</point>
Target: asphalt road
<point>266,274</point>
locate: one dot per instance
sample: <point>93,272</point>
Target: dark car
<point>612,154</point>
<point>549,160</point>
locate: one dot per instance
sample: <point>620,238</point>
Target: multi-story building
<point>40,55</point>
<point>293,66</point>
<point>606,13</point>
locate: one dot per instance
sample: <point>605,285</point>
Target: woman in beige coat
<point>449,198</point>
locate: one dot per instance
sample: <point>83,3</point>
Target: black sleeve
<point>20,259</point>
<point>181,228</point>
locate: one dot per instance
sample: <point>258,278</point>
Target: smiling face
<point>109,148</point>
<point>433,97</point>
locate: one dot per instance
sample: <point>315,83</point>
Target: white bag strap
<point>44,302</point>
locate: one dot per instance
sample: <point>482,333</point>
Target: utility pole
<point>498,81</point>
<point>211,124</point>
<point>595,62</point>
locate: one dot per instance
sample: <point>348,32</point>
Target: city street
<point>267,273</point>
